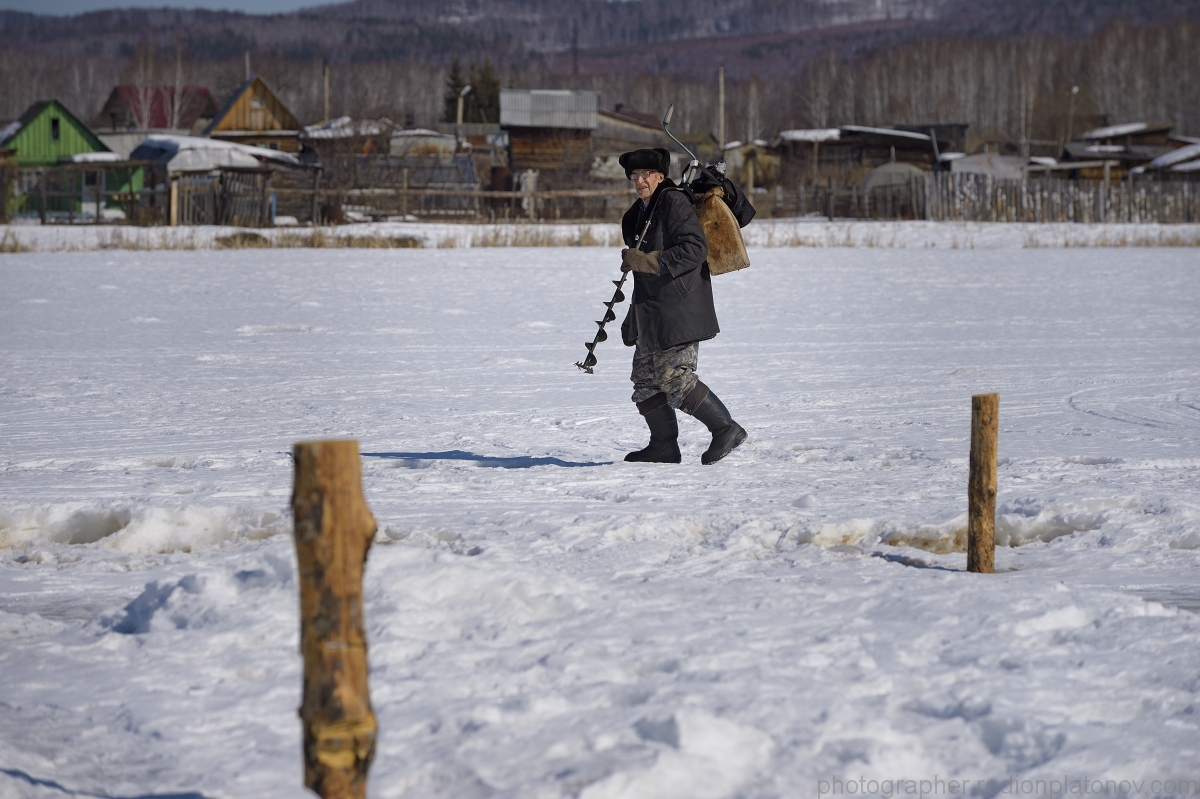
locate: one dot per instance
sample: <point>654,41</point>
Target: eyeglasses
<point>643,174</point>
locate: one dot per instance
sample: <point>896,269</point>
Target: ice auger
<point>619,296</point>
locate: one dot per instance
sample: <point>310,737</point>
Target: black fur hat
<point>658,158</point>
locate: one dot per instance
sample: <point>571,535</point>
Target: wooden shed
<point>549,130</point>
<point>255,116</point>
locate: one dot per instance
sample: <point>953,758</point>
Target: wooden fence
<point>238,197</point>
<point>84,192</point>
<point>457,204</point>
<point>246,197</point>
<point>1041,198</point>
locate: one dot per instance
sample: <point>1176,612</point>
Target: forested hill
<point>766,37</point>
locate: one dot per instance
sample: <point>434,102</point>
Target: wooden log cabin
<point>548,130</point>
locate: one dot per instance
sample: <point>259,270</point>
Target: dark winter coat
<point>676,305</point>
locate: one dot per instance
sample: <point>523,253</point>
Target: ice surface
<point>548,621</point>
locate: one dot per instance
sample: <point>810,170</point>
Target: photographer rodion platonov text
<point>1008,786</point>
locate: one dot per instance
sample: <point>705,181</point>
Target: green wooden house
<point>49,135</point>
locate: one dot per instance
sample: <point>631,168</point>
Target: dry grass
<point>318,239</point>
<point>1119,238</point>
<point>939,540</point>
<point>546,236</point>
<point>9,243</point>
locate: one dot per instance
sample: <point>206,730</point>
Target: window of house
<point>55,130</point>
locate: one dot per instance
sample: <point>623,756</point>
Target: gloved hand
<point>638,261</point>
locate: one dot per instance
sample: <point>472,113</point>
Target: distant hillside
<point>764,37</point>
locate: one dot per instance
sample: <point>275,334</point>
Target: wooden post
<point>42,197</point>
<point>333,531</point>
<point>316,198</point>
<point>721,112</point>
<point>99,193</point>
<point>981,484</point>
<point>173,200</point>
<point>404,207</point>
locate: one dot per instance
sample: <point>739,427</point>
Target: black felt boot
<point>703,404</point>
<point>664,433</point>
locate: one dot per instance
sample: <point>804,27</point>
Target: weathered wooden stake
<point>333,531</point>
<point>981,484</point>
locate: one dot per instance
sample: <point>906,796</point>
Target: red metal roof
<point>151,106</point>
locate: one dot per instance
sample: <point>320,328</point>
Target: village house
<point>847,154</point>
<point>59,166</point>
<point>1111,152</point>
<point>47,133</point>
<point>256,117</point>
<point>131,113</point>
<point>549,133</point>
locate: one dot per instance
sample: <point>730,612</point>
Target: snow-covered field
<point>548,621</point>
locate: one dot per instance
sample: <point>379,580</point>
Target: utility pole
<point>325,78</point>
<point>178,98</point>
<point>1071,114</point>
<point>721,110</point>
<point>462,95</point>
<point>247,56</point>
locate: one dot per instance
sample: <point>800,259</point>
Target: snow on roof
<point>1190,166</point>
<point>1043,160</point>
<point>951,156</point>
<point>811,134</point>
<point>420,132</point>
<point>9,130</point>
<point>197,154</point>
<point>1115,130</point>
<point>96,158</point>
<point>900,134</point>
<point>1176,157</point>
<point>164,145</point>
<point>345,127</point>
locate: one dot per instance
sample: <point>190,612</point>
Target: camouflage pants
<point>671,371</point>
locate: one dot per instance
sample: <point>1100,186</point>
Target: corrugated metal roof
<point>1138,152</point>
<point>540,108</point>
<point>1115,130</point>
<point>1128,129</point>
<point>885,132</point>
<point>1177,156</point>
<point>811,134</point>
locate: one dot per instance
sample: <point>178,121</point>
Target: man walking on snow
<point>671,313</point>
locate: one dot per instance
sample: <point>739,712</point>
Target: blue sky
<point>65,7</point>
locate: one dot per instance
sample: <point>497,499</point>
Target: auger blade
<point>601,335</point>
<point>619,296</point>
<point>589,361</point>
<point>617,283</point>
<point>591,345</point>
<point>609,315</point>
